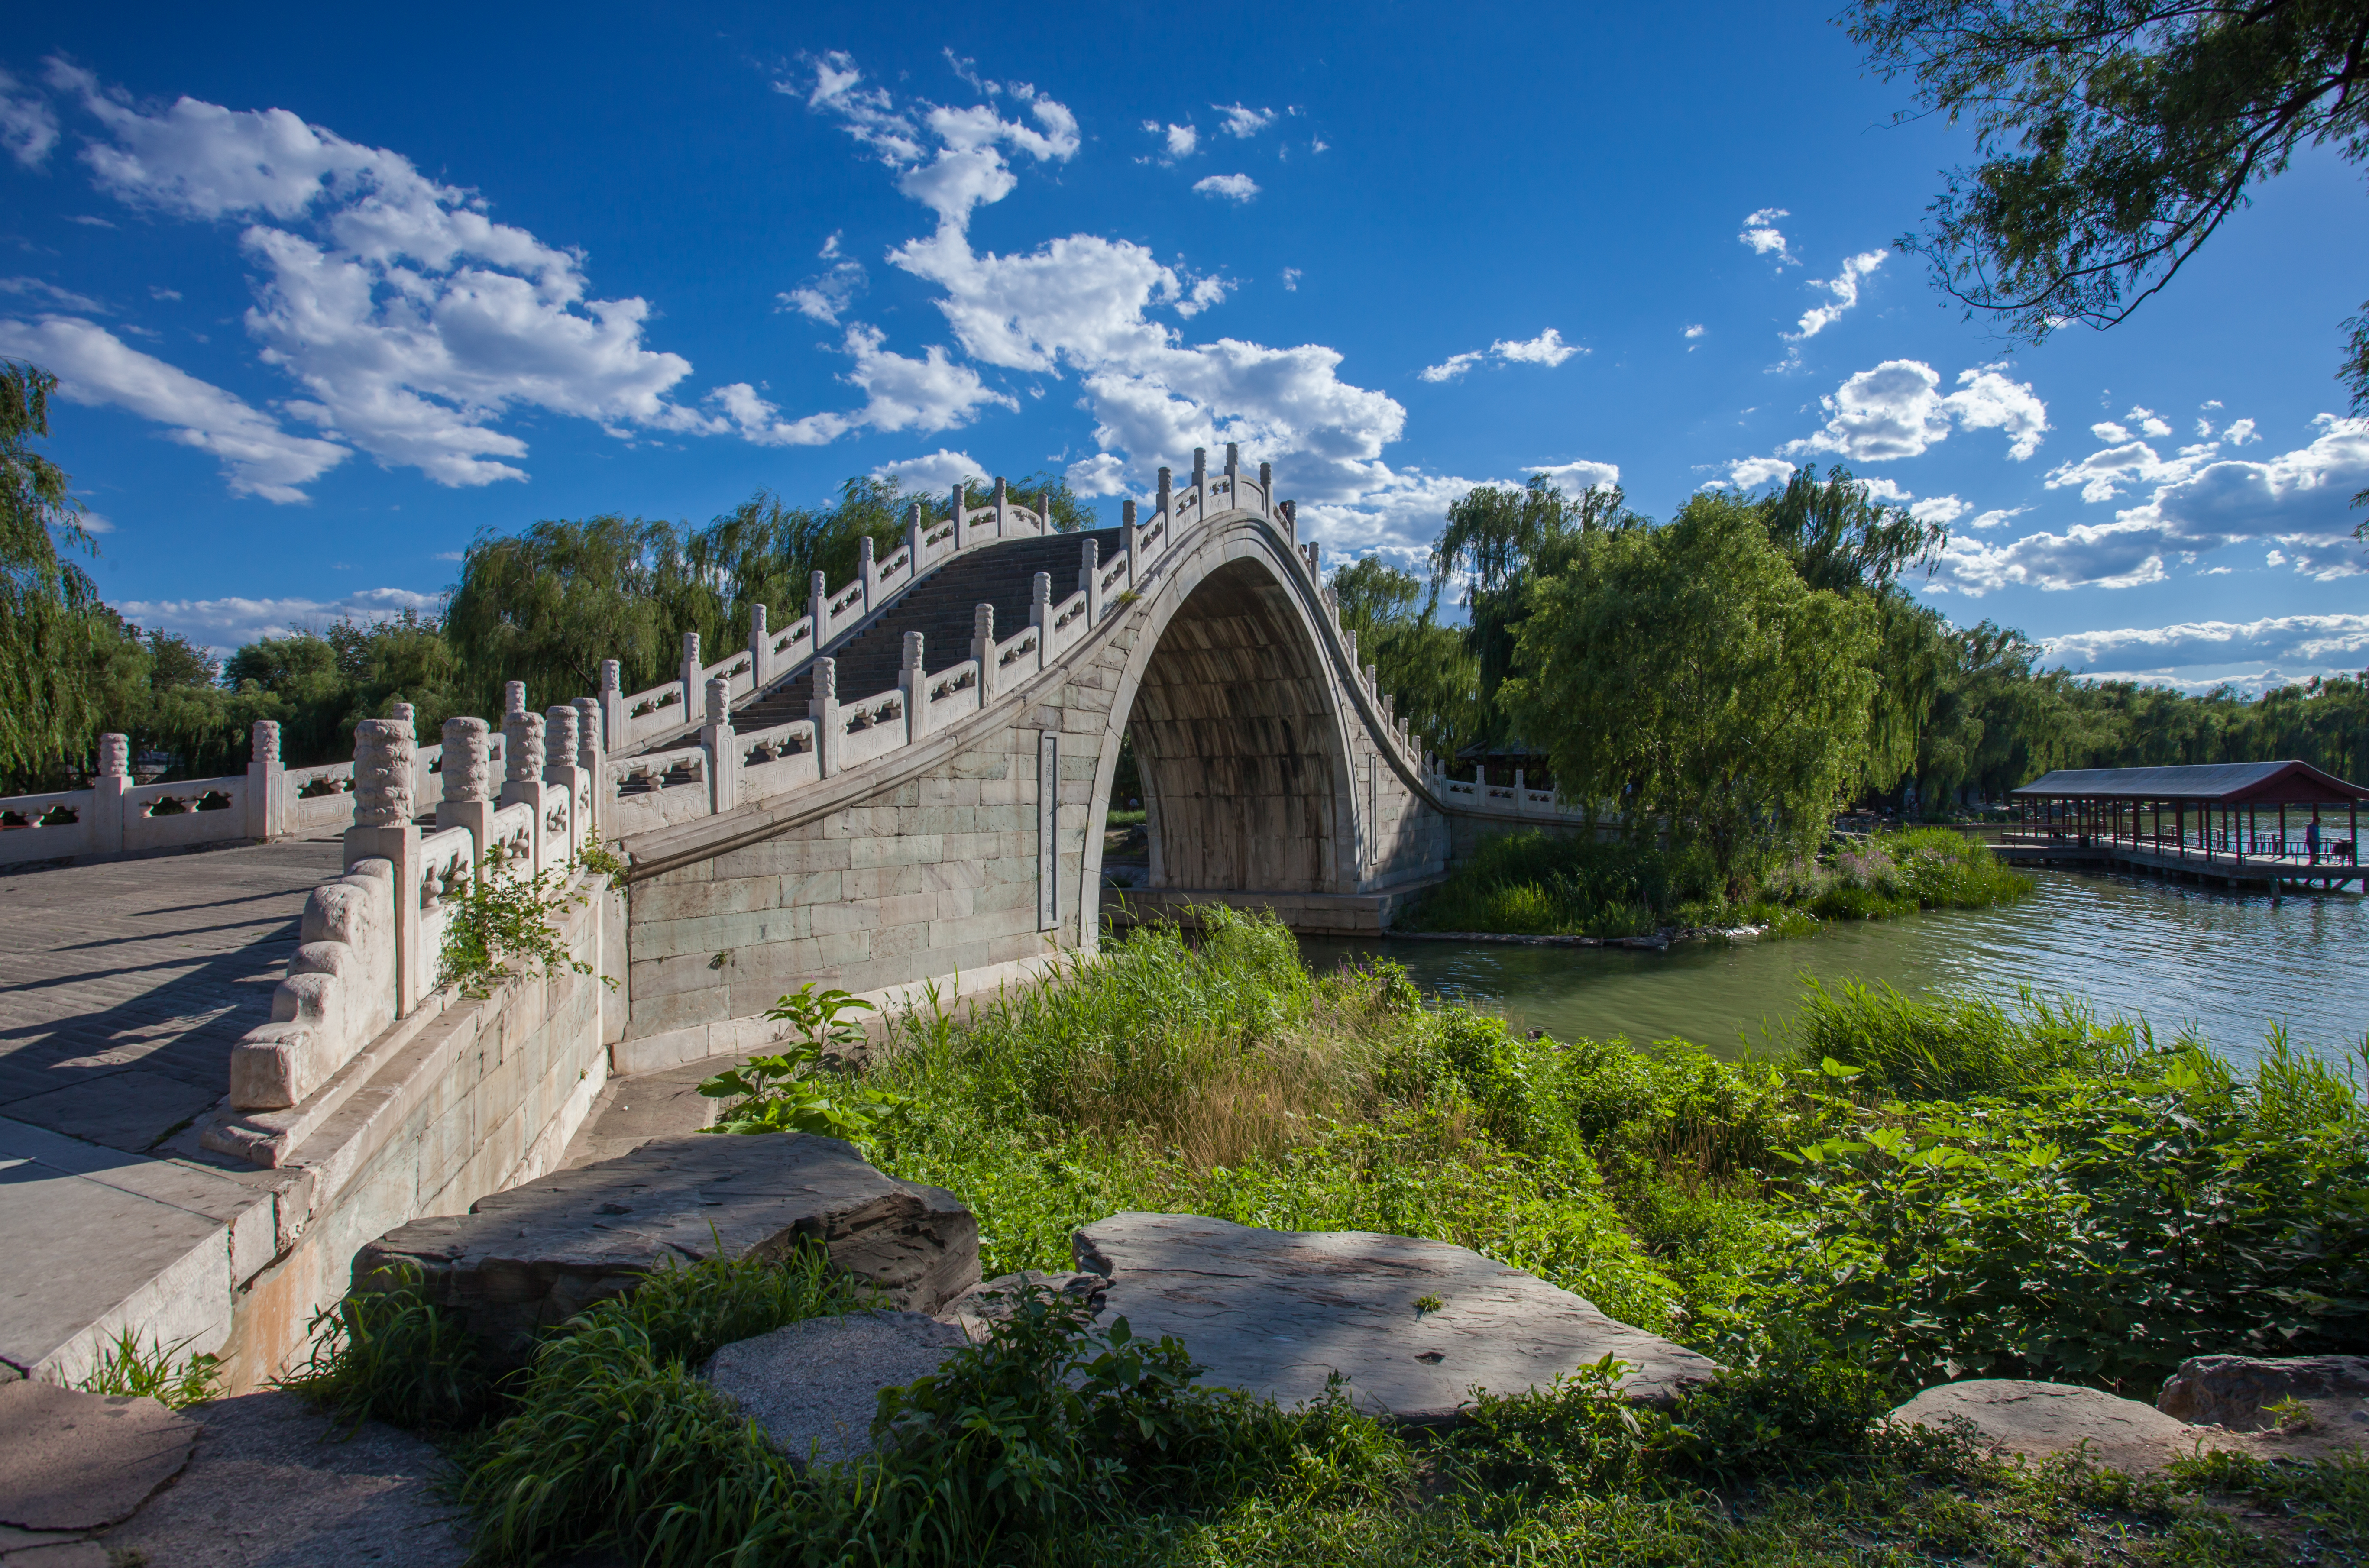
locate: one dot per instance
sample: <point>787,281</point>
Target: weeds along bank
<point>1539,883</point>
<point>1920,1190</point>
<point>1939,1188</point>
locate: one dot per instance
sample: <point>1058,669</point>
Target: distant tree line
<point>1737,674</point>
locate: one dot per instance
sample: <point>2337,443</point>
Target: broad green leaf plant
<point>794,1090</point>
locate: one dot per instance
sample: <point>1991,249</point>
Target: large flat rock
<point>275,1484</point>
<point>2037,1419</point>
<point>535,1254</point>
<point>1274,1312</point>
<point>814,1386</point>
<point>73,1461</point>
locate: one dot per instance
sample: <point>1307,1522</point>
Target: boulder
<point>1275,1313</point>
<point>535,1254</point>
<point>814,1386</point>
<point>2235,1390</point>
<point>2037,1420</point>
<point>277,1483</point>
<point>74,1461</point>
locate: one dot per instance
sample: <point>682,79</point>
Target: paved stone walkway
<point>124,985</point>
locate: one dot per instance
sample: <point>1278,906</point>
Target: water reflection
<point>2228,965</point>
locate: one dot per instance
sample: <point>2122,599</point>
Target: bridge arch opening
<point>1239,743</point>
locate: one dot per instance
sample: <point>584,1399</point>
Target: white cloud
<point>1547,349</point>
<point>50,294</point>
<point>1242,121</point>
<point>1760,231</point>
<point>95,367</point>
<point>1454,366</point>
<point>1233,187</point>
<point>1891,490</point>
<point>2239,432</point>
<point>823,297</point>
<point>928,394</point>
<point>28,128</point>
<point>1751,473</point>
<point>1696,330</point>
<point>938,472</point>
<point>224,624</point>
<point>410,318</point>
<point>1988,401</point>
<point>968,168</point>
<point>1577,479</point>
<point>2325,641</point>
<point>2301,498</point>
<point>1844,287</point>
<point>1086,306</point>
<point>1291,279</point>
<point>1178,141</point>
<point>1943,509</point>
<point>1898,410</point>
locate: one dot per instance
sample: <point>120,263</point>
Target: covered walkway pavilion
<point>2274,823</point>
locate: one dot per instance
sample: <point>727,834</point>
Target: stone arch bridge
<point>950,819</point>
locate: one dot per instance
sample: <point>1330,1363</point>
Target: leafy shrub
<point>791,1091</point>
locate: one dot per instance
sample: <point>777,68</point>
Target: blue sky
<point>329,295</point>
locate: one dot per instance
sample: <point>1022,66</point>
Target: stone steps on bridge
<point>940,607</point>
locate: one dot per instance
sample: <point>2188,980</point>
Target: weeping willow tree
<point>1498,542</point>
<point>46,601</point>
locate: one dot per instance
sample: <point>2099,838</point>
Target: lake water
<point>2229,966</point>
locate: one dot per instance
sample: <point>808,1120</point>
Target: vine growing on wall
<point>501,922</point>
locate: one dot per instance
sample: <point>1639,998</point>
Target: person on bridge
<point>2311,839</point>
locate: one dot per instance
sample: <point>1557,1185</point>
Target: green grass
<point>1539,884</point>
<point>151,1370</point>
<point>1904,1192</point>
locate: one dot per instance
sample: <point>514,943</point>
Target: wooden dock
<point>2270,872</point>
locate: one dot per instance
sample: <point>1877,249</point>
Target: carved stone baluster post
<point>1002,504</point>
<point>913,679</point>
<point>1200,485</point>
<point>1134,545</point>
<point>867,569</point>
<point>914,529</point>
<point>1233,475</point>
<point>1313,551</point>
<point>568,798</point>
<point>823,708</point>
<point>1164,506</point>
<point>723,749</point>
<point>694,675</point>
<point>961,537</point>
<point>513,699</point>
<point>1040,615</point>
<point>522,766</point>
<point>613,724</point>
<point>592,747</point>
<point>386,762</point>
<point>1266,496</point>
<point>724,754</point>
<point>468,784</point>
<point>1290,510</point>
<point>268,805</point>
<point>982,648</point>
<point>761,649</point>
<point>1089,581</point>
<point>819,607</point>
<point>106,791</point>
